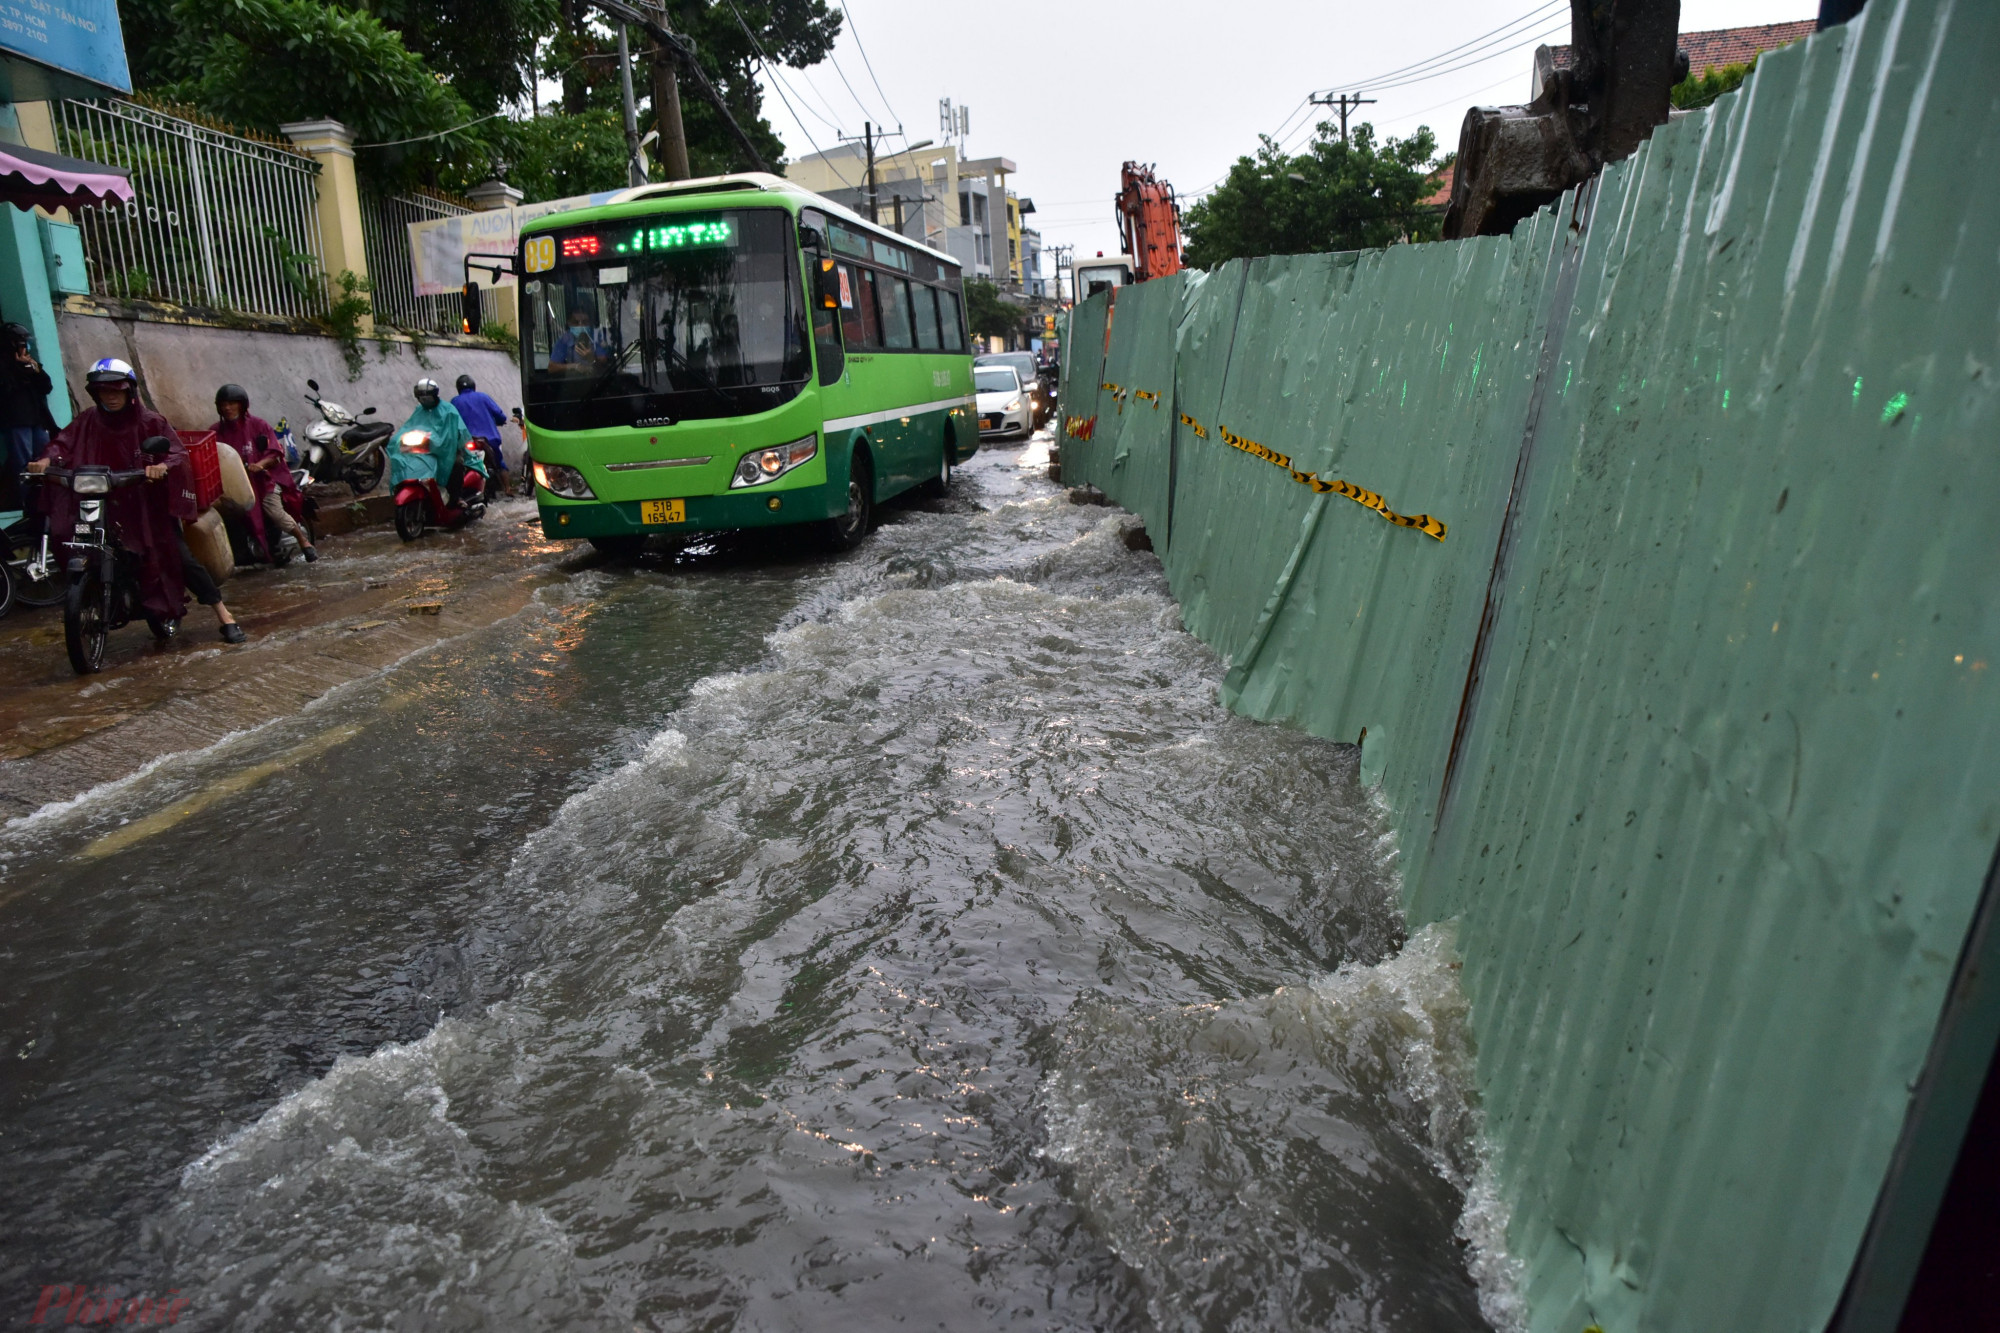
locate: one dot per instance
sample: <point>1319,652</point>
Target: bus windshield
<point>652,320</point>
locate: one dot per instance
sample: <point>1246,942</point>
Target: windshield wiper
<point>706,381</point>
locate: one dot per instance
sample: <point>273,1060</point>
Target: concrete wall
<point>180,367</point>
<point>1688,710</point>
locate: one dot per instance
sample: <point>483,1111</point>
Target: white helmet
<point>109,370</point>
<point>428,392</point>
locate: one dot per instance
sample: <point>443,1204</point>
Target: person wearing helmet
<point>252,437</point>
<point>450,442</point>
<point>483,420</point>
<point>149,517</point>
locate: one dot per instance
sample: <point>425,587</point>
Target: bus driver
<point>577,346</point>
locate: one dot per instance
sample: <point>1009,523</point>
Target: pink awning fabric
<point>31,177</point>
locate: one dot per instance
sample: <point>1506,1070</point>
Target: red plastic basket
<point>207,467</point>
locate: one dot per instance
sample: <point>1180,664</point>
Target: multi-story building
<point>931,195</point>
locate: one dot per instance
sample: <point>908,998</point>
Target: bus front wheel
<point>625,545</point>
<point>845,531</point>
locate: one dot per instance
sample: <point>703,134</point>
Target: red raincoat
<point>146,517</point>
<point>242,435</point>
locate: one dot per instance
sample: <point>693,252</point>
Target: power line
<point>871,68</point>
<point>1530,17</point>
<point>1437,65</point>
<point>778,86</point>
<point>1514,43</point>
<point>866,110</point>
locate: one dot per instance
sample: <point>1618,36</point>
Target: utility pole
<point>648,21</point>
<point>1346,102</point>
<point>635,168</point>
<point>667,107</point>
<point>867,139</point>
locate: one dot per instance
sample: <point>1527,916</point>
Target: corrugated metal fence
<point>1691,717</point>
<point>216,220</point>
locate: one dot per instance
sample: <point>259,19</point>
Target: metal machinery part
<point>1514,159</point>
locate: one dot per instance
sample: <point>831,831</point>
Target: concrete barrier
<point>181,365</point>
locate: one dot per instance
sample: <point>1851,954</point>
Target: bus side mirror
<point>811,238</point>
<point>469,302</point>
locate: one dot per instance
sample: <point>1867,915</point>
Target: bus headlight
<point>762,465</point>
<point>558,479</point>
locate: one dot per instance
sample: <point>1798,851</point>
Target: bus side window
<point>826,314</point>
<point>898,335</point>
<point>954,327</point>
<point>927,317</point>
<point>857,308</point>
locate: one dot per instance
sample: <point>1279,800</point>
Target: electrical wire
<point>886,104</point>
<point>1514,43</point>
<point>420,138</point>
<point>1532,16</point>
<point>778,85</point>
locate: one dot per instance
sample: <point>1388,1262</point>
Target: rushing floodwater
<point>758,942</point>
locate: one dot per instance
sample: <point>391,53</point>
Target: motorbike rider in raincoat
<point>148,517</point>
<point>451,452</point>
<point>254,439</point>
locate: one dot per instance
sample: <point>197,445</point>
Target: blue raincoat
<point>448,455</point>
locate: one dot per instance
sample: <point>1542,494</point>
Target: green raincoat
<point>448,448</point>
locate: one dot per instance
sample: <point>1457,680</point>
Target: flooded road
<point>748,940</point>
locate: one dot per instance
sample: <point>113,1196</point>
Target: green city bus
<point>735,352</point>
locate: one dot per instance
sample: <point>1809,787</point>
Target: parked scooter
<point>103,593</point>
<point>30,564</point>
<point>420,501</point>
<point>341,447</point>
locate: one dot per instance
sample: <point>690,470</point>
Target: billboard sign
<point>61,48</point>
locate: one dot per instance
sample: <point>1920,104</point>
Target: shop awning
<point>31,177</point>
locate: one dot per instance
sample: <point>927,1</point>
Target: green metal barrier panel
<point>1083,352</point>
<point>1690,717</point>
<point>1136,424</point>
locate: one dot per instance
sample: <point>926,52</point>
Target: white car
<point>1004,407</point>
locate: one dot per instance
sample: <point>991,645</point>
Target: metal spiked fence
<point>385,236</point>
<point>217,220</point>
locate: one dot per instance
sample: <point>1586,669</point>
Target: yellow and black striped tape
<point>1147,396</point>
<point>1367,499</point>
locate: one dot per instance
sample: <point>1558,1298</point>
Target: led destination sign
<point>679,236</point>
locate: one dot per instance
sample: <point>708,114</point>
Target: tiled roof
<point>1443,180</point>
<point>1725,46</point>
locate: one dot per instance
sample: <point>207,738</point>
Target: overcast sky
<point>1070,91</point>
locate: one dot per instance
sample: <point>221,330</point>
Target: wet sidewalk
<point>369,601</point>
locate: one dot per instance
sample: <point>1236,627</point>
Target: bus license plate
<point>662,511</point>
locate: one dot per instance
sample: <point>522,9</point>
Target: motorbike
<point>342,447</point>
<point>103,592</point>
<point>27,563</point>
<point>244,547</point>
<point>420,501</point>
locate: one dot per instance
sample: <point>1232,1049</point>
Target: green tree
<point>484,48</point>
<point>559,155</point>
<point>987,314</point>
<point>1334,196</point>
<point>431,71</point>
<point>1698,91</point>
<point>261,63</point>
